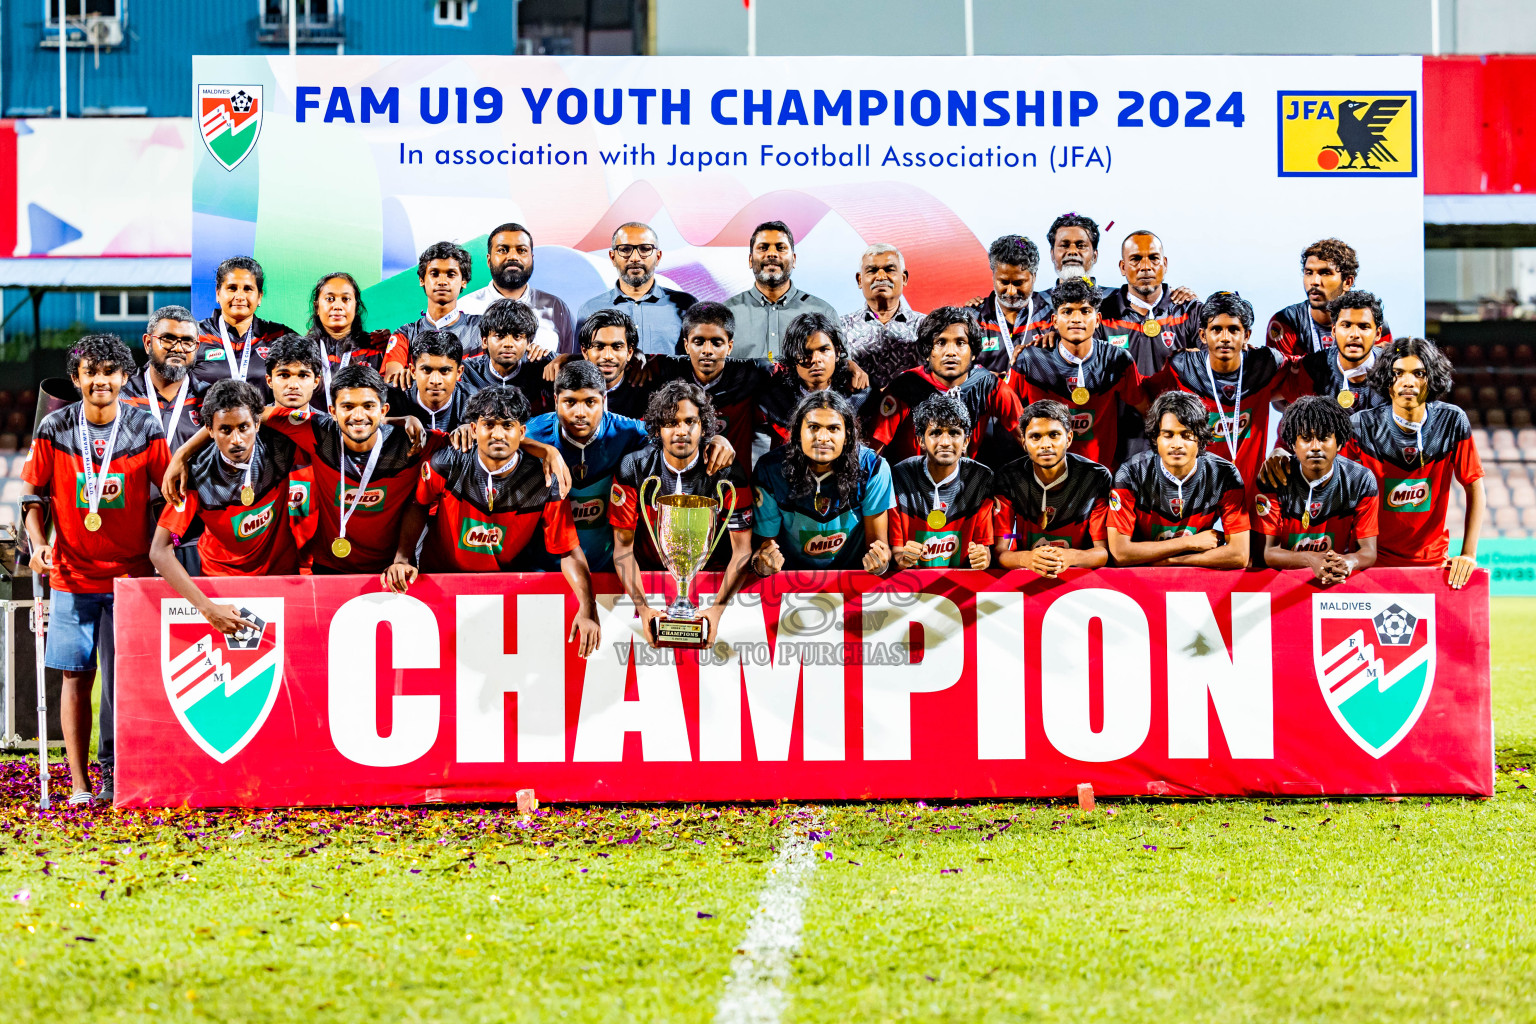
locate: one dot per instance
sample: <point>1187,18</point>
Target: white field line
<point>755,991</point>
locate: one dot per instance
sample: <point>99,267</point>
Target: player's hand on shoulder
<point>718,454</point>
<point>1276,469</point>
<point>463,437</point>
<point>395,374</point>
<point>1183,293</point>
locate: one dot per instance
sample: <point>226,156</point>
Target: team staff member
<point>764,311</point>
<point>882,336</point>
<point>657,311</point>
<point>1341,372</point>
<point>1012,316</point>
<point>1322,518</point>
<point>1167,502</point>
<point>1236,384</point>
<point>234,341</point>
<point>443,269</point>
<point>679,421</point>
<point>1074,242</point>
<point>509,255</point>
<point>942,516</point>
<point>950,342</point>
<point>93,463</point>
<point>824,500</point>
<point>336,314</point>
<point>169,341</point>
<point>1328,270</point>
<point>507,329</point>
<point>814,358</point>
<point>1051,506</point>
<point>436,397</point>
<point>1095,378</point>
<point>239,495</point>
<point>1142,316</point>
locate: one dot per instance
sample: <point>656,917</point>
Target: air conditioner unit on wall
<point>103,31</point>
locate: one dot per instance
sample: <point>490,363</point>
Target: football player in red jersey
<point>444,270</point>
<point>1051,507</point>
<point>679,421</point>
<point>240,495</point>
<point>950,340</point>
<point>1324,517</point>
<point>1340,372</point>
<point>490,501</point>
<point>294,372</point>
<point>943,513</point>
<point>1168,501</point>
<point>1093,377</point>
<point>1328,269</point>
<point>92,462</point>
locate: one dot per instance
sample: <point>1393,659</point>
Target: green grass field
<point>1156,911</point>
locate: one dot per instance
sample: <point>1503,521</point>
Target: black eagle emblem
<point>1362,138</point>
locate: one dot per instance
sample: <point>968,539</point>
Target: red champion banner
<point>823,686</point>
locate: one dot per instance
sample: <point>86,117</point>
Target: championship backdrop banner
<point>844,686</point>
<point>318,164</point>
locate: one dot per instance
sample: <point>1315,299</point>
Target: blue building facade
<point>134,57</point>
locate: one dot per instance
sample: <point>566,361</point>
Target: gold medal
<point>1151,328</point>
<point>936,520</point>
<point>93,521</point>
<point>247,494</point>
<point>341,547</point>
<point>1080,396</point>
<point>1346,398</point>
<point>1306,520</point>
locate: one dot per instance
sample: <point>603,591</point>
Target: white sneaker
<point>83,798</point>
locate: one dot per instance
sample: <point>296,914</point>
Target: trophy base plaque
<point>680,632</point>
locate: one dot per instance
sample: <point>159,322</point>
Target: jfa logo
<point>231,121</point>
<point>221,687</point>
<point>1370,135</point>
<point>1375,660</point>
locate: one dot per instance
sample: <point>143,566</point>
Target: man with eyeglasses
<point>764,311</point>
<point>657,311</point>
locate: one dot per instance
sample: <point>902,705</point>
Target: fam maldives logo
<point>1375,661</point>
<point>221,688</point>
<point>230,116</point>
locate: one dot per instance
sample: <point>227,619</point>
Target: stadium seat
<point>1520,419</point>
<point>1480,442</point>
<point>1498,494</point>
<point>1506,453</point>
<point>1463,395</point>
<point>27,399</point>
<point>1487,396</point>
<point>10,492</point>
<point>1474,356</point>
<point>1498,355</point>
<point>1475,417</point>
<point>1528,519</point>
<point>1495,419</point>
<point>1514,396</point>
<point>1502,438</point>
<point>1506,520</point>
<point>1526,439</point>
<point>1522,496</point>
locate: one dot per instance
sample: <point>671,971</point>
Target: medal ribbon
<point>936,486</point>
<point>1230,432</point>
<point>1069,357</point>
<point>1045,489</point>
<point>229,351</point>
<point>95,483</point>
<point>491,475</point>
<point>1027,313</point>
<point>1313,485</point>
<point>166,426</point>
<point>362,483</point>
<point>1418,433</point>
<point>1177,482</point>
<point>325,366</point>
<point>248,467</point>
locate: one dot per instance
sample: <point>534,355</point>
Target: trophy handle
<point>645,510</point>
<point>725,505</point>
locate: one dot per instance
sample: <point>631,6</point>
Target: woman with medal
<point>92,464</point>
<point>943,512</point>
<point>336,326</point>
<point>1050,509</point>
<point>233,342</point>
<point>239,494</point>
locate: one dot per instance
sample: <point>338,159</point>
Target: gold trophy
<point>684,545</point>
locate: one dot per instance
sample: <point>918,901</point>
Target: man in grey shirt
<point>657,311</point>
<point>882,337</point>
<point>764,311</point>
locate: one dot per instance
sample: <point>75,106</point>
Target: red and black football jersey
<point>639,466</point>
<point>1000,341</point>
<point>1124,325</point>
<point>210,363</point>
<point>1147,503</point>
<point>86,562</point>
<point>735,393</point>
<point>445,420</point>
<point>1267,376</point>
<point>783,391</point>
<point>1071,514</point>
<point>1109,375</point>
<point>365,350</point>
<point>986,396</point>
<point>1332,516</point>
<point>1293,331</point>
<point>967,517</point>
<point>478,529</point>
<point>462,325</point>
<point>240,539</point>
<point>303,519</point>
<point>189,417</point>
<point>1413,471</point>
<point>374,529</point>
<point>527,376</point>
<point>1328,379</point>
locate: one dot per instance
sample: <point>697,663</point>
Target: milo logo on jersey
<point>1411,495</point>
<point>938,549</point>
<point>1374,655</point>
<point>112,492</point>
<point>1082,424</point>
<point>1312,542</point>
<point>371,501</point>
<point>823,545</point>
<point>588,512</point>
<point>298,498</point>
<point>255,522</point>
<point>481,538</point>
<point>1220,424</point>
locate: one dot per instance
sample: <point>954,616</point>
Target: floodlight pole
<point>1434,27</point>
<point>63,61</point>
<point>751,28</point>
<point>293,27</point>
<point>970,28</point>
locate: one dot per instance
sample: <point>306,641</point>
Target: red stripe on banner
<point>1479,125</point>
<point>8,188</point>
<point>828,686</point>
